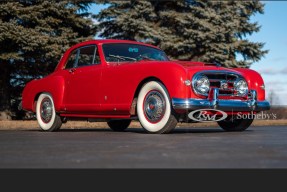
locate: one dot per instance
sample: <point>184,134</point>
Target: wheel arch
<point>35,100</point>
<point>37,97</point>
<point>148,79</point>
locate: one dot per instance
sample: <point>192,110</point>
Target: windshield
<point>123,52</point>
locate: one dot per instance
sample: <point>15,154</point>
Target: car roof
<point>106,41</point>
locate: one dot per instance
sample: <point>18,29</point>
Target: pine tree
<point>33,36</point>
<point>198,30</point>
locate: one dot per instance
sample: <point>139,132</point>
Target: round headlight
<point>201,84</point>
<point>241,87</point>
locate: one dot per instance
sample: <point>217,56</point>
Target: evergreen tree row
<point>33,36</point>
<point>199,30</point>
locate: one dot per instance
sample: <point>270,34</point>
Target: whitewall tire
<point>154,108</point>
<point>46,115</point>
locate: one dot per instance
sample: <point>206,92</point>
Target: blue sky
<point>273,67</point>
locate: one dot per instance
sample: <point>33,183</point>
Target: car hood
<point>193,67</point>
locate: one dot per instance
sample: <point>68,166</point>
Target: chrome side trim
<point>212,102</point>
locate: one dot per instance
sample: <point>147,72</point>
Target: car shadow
<point>85,130</point>
<point>178,130</point>
<point>142,131</point>
<point>190,130</point>
<point>194,130</point>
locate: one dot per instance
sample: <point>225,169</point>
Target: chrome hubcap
<point>154,106</point>
<point>46,110</point>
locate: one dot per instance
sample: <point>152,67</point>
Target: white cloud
<point>272,71</point>
<point>278,89</point>
<point>279,59</point>
<point>276,82</point>
<point>268,71</point>
<point>284,71</point>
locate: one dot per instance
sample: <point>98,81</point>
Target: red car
<point>118,81</point>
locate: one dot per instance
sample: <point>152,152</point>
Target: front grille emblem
<point>223,84</point>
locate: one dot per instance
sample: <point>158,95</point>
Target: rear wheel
<point>119,125</point>
<point>46,115</point>
<point>235,124</point>
<point>154,109</point>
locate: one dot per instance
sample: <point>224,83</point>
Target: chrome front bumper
<point>212,102</point>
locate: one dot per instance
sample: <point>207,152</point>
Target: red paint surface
<point>108,89</point>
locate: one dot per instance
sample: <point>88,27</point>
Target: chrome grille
<point>223,80</point>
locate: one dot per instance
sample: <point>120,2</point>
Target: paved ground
<point>258,147</point>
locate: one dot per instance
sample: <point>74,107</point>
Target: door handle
<point>72,70</point>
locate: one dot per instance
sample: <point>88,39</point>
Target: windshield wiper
<point>122,57</point>
<point>142,57</point>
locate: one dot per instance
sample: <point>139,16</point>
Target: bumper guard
<point>212,102</point>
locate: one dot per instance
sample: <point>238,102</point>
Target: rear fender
<point>54,85</point>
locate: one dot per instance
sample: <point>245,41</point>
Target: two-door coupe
<point>118,81</point>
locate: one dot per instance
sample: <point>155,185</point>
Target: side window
<point>83,56</point>
<point>72,60</point>
<point>86,56</point>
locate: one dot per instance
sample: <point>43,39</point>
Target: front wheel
<point>154,109</point>
<point>46,115</point>
<point>235,124</point>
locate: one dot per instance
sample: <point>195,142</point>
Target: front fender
<point>173,77</point>
<point>255,81</point>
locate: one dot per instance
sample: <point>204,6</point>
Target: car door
<point>83,77</point>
